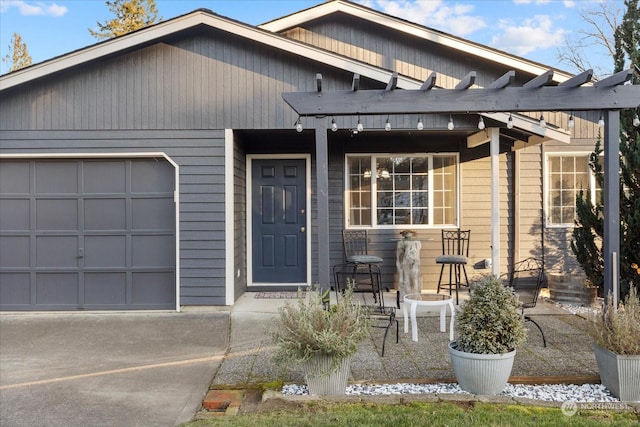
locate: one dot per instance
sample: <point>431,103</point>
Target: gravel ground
<point>549,392</point>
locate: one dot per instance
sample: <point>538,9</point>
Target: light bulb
<point>543,124</point>
<point>299,126</point>
<point>636,120</point>
<point>334,125</point>
<point>420,125</point>
<point>481,123</point>
<point>359,126</point>
<point>450,125</point>
<point>572,122</point>
<point>510,122</point>
<point>387,126</point>
<point>601,122</point>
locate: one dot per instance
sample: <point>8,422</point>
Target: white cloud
<point>33,8</point>
<point>529,35</point>
<point>456,19</point>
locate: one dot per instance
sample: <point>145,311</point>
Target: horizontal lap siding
<point>199,155</point>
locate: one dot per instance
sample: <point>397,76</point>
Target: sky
<point>533,29</point>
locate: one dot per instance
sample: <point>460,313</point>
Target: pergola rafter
<point>576,94</point>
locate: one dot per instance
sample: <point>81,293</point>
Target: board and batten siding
<point>200,156</point>
<point>209,81</point>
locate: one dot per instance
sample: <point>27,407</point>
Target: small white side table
<point>429,300</point>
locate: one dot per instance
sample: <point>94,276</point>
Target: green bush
<point>490,322</point>
<point>308,328</point>
<point>618,330</point>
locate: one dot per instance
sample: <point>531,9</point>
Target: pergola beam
<point>507,79</point>
<point>541,80</point>
<point>448,101</point>
<point>430,82</point>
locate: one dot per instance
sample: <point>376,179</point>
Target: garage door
<point>87,234</point>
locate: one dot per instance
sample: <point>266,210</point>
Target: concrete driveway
<point>114,369</point>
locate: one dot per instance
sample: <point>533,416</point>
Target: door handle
<point>302,229</point>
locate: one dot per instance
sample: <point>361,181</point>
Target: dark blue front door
<point>279,220</point>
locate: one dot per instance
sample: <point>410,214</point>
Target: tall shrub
<point>589,230</point>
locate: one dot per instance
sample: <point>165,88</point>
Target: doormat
<point>276,295</point>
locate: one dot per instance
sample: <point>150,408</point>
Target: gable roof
<point>261,35</point>
<point>199,17</point>
<point>447,40</point>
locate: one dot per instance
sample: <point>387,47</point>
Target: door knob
<point>302,229</point>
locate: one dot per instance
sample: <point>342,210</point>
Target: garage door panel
<point>105,214</point>
<point>57,289</point>
<point>14,215</point>
<point>57,177</point>
<point>150,251</point>
<point>105,288</point>
<point>57,214</point>
<point>14,251</point>
<point>57,251</point>
<point>153,288</point>
<point>87,234</point>
<point>14,177</point>
<point>15,287</point>
<point>105,251</point>
<point>151,177</point>
<point>152,214</point>
<point>104,177</point>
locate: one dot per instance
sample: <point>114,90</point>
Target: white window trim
<point>547,199</point>
<point>374,200</point>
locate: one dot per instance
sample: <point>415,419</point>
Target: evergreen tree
<point>130,15</point>
<point>589,230</point>
<point>18,56</point>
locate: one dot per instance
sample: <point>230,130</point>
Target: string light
<point>334,125</point>
<point>420,125</point>
<point>387,125</point>
<point>572,122</point>
<point>299,125</point>
<point>543,124</point>
<point>510,122</point>
<point>359,126</point>
<point>601,122</point>
<point>636,120</point>
<point>450,125</point>
<point>481,123</point>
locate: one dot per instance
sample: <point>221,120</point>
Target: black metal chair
<point>380,315</point>
<point>527,278</point>
<point>356,254</point>
<point>455,254</point>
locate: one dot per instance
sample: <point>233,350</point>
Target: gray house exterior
<point>162,169</point>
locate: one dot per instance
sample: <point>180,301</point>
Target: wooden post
<point>611,247</point>
<point>495,201</point>
<point>322,197</point>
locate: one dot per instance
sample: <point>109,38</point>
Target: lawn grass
<point>421,414</point>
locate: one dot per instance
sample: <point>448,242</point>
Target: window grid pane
<point>568,174</point>
<point>359,191</point>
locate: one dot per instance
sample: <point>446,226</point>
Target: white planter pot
<point>321,381</point>
<point>481,373</point>
<point>620,374</point>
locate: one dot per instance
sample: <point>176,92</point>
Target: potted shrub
<point>321,338</point>
<point>489,328</point>
<point>616,336</point>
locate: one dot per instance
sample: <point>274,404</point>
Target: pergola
<point>537,95</point>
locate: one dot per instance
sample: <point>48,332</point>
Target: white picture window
<point>420,190</point>
<point>567,174</point>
